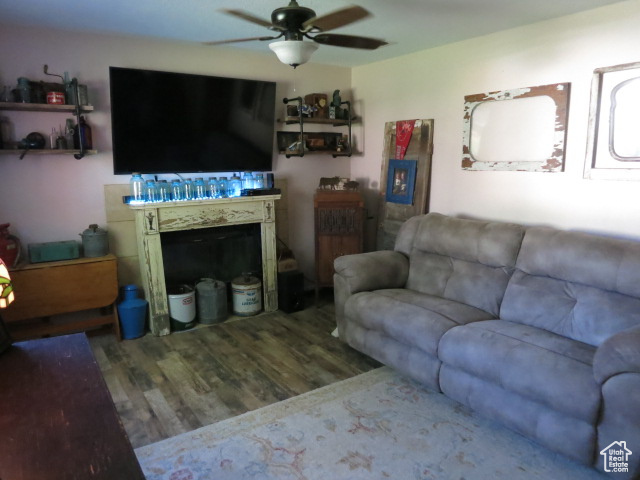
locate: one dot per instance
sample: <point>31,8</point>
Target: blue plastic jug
<point>133,312</point>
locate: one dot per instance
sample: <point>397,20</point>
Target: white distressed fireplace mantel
<point>156,218</point>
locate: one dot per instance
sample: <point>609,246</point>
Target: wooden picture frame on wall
<point>523,129</point>
<point>392,214</point>
<point>401,181</point>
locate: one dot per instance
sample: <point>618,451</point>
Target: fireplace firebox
<point>155,220</point>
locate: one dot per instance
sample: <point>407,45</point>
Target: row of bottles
<point>70,136</point>
<point>150,190</point>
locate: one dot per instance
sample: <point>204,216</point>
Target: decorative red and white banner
<point>404,130</point>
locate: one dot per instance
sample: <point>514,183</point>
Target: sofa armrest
<point>373,270</point>
<point>618,354</point>
<point>364,272</point>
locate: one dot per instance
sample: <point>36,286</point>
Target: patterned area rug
<point>378,425</point>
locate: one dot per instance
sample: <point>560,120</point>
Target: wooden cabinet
<point>339,218</point>
<point>46,289</point>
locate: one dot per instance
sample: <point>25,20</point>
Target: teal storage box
<point>52,251</point>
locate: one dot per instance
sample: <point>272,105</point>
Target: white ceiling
<point>408,25</point>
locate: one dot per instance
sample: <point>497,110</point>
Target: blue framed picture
<point>401,181</point>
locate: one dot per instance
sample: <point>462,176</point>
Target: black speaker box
<point>291,291</point>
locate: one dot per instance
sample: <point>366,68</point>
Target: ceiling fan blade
<point>238,40</point>
<point>248,17</point>
<point>338,18</point>
<point>349,41</point>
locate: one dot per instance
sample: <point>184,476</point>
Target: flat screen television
<point>165,122</point>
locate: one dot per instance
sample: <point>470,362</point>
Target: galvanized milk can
<point>94,241</point>
<point>212,300</point>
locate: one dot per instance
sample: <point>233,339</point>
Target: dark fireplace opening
<point>222,253</point>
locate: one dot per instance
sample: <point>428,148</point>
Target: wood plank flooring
<point>164,386</point>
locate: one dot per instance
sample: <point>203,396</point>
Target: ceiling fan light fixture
<point>293,52</point>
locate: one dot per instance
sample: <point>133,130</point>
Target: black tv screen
<point>164,122</point>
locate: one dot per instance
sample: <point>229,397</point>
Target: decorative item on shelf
<point>136,187</point>
<point>55,98</point>
<point>318,101</point>
<point>337,184</point>
<point>335,109</point>
<point>22,93</point>
<point>352,186</point>
<point>199,189</point>
<point>53,251</point>
<point>187,189</point>
<point>32,141</point>
<point>6,95</point>
<point>82,138</point>
<point>330,183</point>
<point>95,242</point>
<point>164,191</point>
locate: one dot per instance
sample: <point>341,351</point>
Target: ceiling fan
<point>295,23</point>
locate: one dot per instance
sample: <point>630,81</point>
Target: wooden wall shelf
<point>45,151</point>
<point>42,107</point>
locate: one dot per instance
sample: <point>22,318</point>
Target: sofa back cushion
<point>582,286</point>
<point>468,261</point>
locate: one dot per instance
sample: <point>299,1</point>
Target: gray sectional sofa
<point>536,327</point>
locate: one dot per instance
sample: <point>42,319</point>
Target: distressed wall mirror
<point>522,129</point>
<point>613,143</point>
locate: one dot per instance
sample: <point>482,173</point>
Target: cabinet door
<point>331,247</point>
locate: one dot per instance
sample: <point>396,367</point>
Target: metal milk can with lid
<point>94,241</point>
<point>212,300</point>
<point>247,295</point>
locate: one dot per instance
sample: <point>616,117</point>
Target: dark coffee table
<point>57,419</point>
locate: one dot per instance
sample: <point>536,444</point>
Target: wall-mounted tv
<point>165,122</point>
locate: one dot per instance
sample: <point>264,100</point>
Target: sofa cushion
<point>574,284</point>
<point>468,261</point>
<point>410,317</point>
<point>549,369</point>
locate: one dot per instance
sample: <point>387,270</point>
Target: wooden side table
<point>53,288</point>
<point>57,419</point>
<point>339,230</point>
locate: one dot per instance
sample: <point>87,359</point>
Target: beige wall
<point>433,83</point>
<point>55,197</point>
<point>51,198</point>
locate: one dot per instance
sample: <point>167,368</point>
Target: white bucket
<point>182,307</point>
<point>247,296</point>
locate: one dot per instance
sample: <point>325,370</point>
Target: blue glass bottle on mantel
<point>235,186</point>
<point>136,187</point>
<point>151,191</point>
<point>177,192</point>
<point>187,186</point>
<point>200,189</point>
<point>132,312</point>
<point>223,185</point>
<point>213,187</point>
